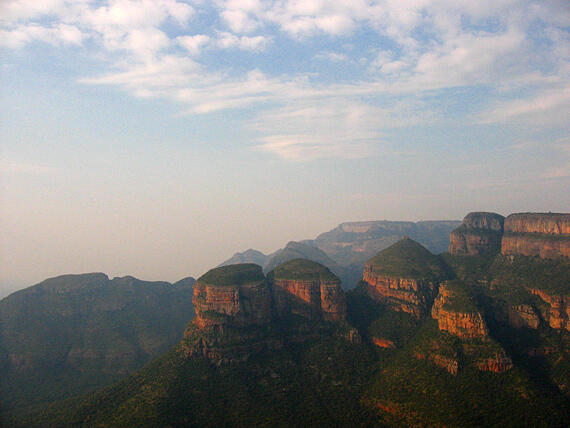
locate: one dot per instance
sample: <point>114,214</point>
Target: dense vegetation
<point>320,374</point>
<point>302,269</point>
<point>75,333</point>
<point>408,259</point>
<point>233,275</point>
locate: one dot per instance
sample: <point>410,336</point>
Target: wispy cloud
<point>427,47</point>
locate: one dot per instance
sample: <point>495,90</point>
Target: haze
<point>157,138</point>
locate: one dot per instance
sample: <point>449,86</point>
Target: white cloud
<point>151,49</point>
<point>547,107</point>
<point>333,56</point>
<point>228,40</point>
<point>61,34</point>
<point>194,44</point>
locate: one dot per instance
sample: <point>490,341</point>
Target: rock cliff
<point>456,314</point>
<point>309,289</point>
<point>479,234</point>
<point>556,311</point>
<point>236,295</point>
<point>237,308</point>
<point>535,234</point>
<point>405,276</point>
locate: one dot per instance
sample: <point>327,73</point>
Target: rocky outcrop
<point>404,276</point>
<point>479,234</point>
<point>459,319</point>
<point>402,294</point>
<point>498,363</point>
<point>383,343</point>
<point>520,316</point>
<point>535,234</point>
<point>236,307</point>
<point>236,295</point>
<point>308,289</point>
<point>556,312</point>
<point>448,363</point>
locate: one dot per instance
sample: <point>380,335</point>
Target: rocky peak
<point>479,234</point>
<point>405,276</point>
<point>309,289</point>
<point>236,295</point>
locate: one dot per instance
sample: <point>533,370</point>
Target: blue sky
<point>156,138</point>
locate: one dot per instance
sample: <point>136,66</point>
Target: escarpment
<point>405,276</point>
<point>536,234</point>
<point>479,234</point>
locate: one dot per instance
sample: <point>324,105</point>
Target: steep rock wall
<point>556,311</point>
<point>409,295</point>
<point>536,234</point>
<point>239,306</point>
<point>309,298</point>
<point>465,325</point>
<point>479,234</point>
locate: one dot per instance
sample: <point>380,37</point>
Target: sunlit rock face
<point>463,323</point>
<point>536,234</point>
<point>239,310</point>
<point>479,234</point>
<point>236,295</point>
<point>404,276</point>
<point>309,289</point>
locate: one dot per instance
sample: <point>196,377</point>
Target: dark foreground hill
<point>75,333</point>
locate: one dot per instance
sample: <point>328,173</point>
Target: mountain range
<point>476,336</point>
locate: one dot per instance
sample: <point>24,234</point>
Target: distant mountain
<point>248,256</point>
<point>346,248</point>
<point>355,242</point>
<point>74,333</point>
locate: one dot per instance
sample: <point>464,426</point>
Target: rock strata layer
<point>306,288</point>
<point>237,307</point>
<point>534,234</point>
<point>465,324</point>
<point>404,276</point>
<point>402,294</point>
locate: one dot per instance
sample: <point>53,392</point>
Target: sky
<point>157,138</point>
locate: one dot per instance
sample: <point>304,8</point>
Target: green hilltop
<point>302,269</point>
<point>233,275</point>
<point>408,259</point>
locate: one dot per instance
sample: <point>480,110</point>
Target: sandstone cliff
<point>405,276</point>
<point>479,234</point>
<point>516,316</point>
<point>236,295</point>
<point>308,289</point>
<point>556,311</point>
<point>236,307</point>
<point>535,234</point>
<point>456,314</point>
